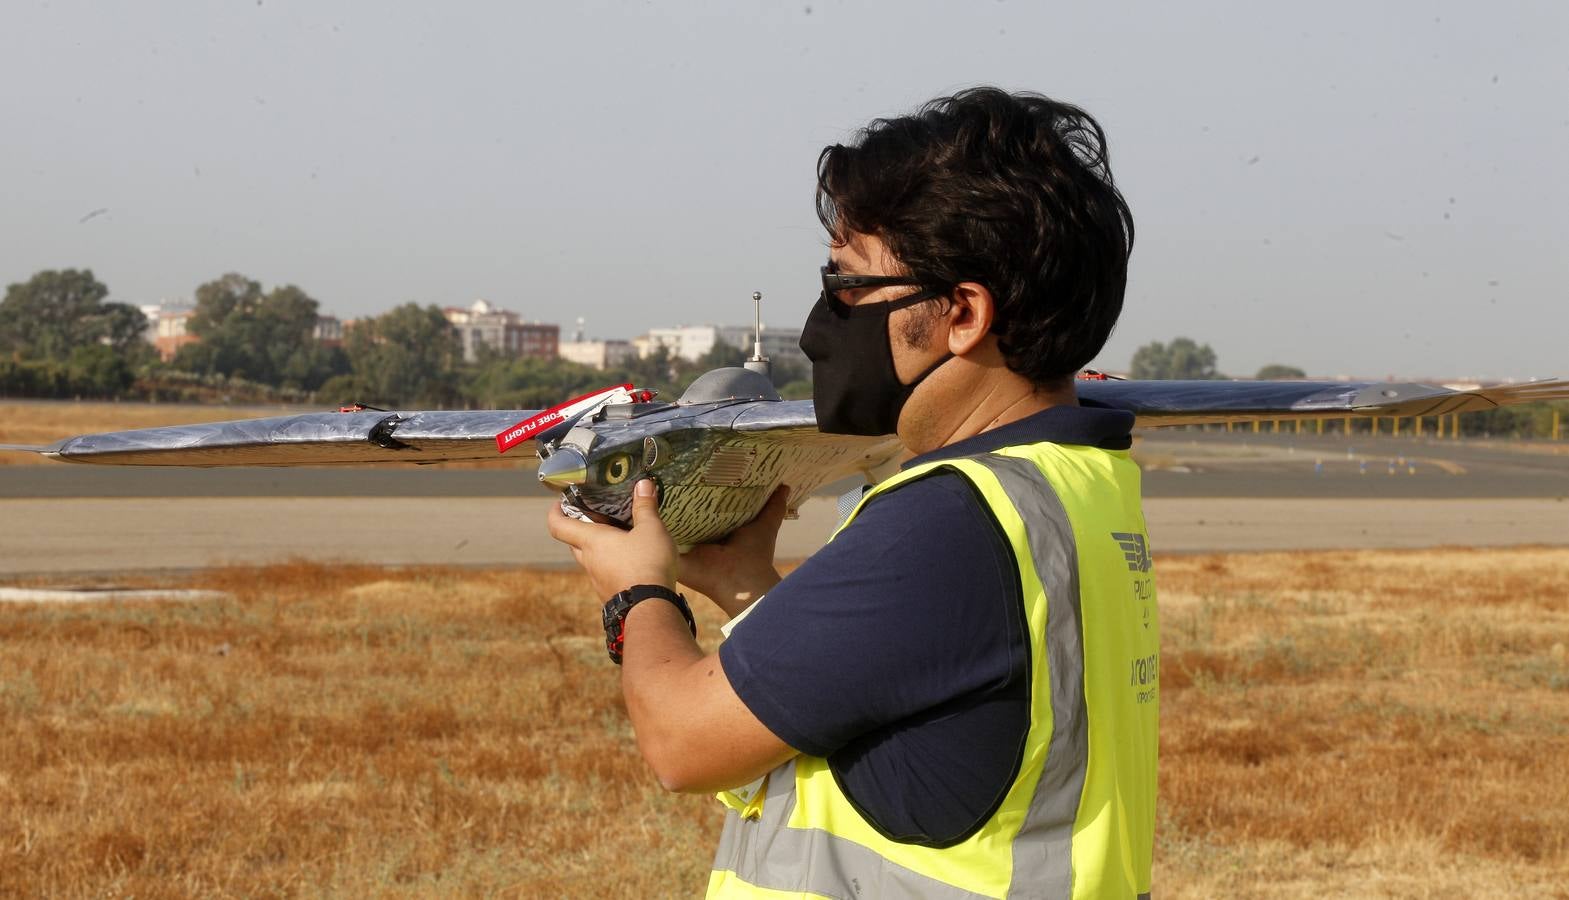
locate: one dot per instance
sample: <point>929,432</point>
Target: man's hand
<point>736,570</point>
<point>690,725</point>
<point>615,559</point>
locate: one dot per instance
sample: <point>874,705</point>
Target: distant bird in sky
<point>93,215</point>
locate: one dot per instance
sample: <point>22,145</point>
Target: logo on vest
<point>1144,677</point>
<point>1134,549</point>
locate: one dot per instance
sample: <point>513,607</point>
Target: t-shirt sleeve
<point>913,606</point>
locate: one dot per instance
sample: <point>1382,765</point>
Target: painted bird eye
<point>617,468</point>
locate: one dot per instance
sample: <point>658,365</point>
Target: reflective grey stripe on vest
<point>769,854</point>
<point>848,501</point>
<point>1043,851</point>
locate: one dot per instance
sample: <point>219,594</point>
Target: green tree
<point>720,356</point>
<point>657,371</point>
<point>263,337</point>
<point>124,330</point>
<point>796,389</point>
<point>1527,420</point>
<point>408,355</point>
<point>56,311</point>
<point>33,378</point>
<point>345,389</point>
<point>310,367</point>
<point>532,383</point>
<point>791,373</point>
<point>1182,359</point>
<point>684,372</point>
<point>1278,372</point>
<point>96,370</point>
<point>221,299</point>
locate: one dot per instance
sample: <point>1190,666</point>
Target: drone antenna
<point>759,362</point>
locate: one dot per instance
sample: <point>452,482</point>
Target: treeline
<point>61,338</point>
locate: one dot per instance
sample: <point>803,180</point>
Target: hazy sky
<point>1369,188</point>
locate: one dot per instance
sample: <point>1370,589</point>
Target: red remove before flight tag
<point>527,428</point>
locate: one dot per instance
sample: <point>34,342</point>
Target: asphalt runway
<point>75,480</point>
<point>1216,464</point>
<point>1205,492</point>
<point>99,537</point>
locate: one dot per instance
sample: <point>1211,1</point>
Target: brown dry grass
<point>1343,724</point>
<point>1365,724</point>
<point>330,731</point>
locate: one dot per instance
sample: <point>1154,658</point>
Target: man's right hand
<point>735,571</point>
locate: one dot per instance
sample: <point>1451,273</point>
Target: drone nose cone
<point>563,468</point>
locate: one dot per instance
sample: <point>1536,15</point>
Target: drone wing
<point>312,439</point>
<point>787,431</point>
<point>1203,402</point>
<point>437,436</point>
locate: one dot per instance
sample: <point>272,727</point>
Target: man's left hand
<point>614,559</point>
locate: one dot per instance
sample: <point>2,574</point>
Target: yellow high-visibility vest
<point>1079,818</point>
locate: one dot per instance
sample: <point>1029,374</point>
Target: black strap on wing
<point>381,434</point>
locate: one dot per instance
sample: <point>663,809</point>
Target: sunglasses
<point>833,282</point>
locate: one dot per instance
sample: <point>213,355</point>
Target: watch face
<point>615,617</point>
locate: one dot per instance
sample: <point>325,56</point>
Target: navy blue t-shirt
<point>899,651</point>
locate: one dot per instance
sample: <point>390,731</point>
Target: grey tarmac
<point>98,537</point>
<point>1205,491</point>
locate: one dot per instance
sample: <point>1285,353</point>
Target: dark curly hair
<point>1013,191</point>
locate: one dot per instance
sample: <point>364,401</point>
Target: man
<point>956,696</point>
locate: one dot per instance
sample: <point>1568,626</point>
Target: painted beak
<point>563,469</point>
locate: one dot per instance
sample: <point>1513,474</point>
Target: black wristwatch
<point>617,607</point>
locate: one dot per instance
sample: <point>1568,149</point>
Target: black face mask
<point>855,389</point>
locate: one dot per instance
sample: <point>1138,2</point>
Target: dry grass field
<point>1365,724</point>
<point>1334,724</point>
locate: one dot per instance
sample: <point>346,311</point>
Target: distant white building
<point>607,354</point>
<point>328,331</point>
<point>166,323</point>
<point>693,342</point>
<point>482,325</point>
<point>596,354</point>
<point>152,311</point>
<point>780,344</point>
<point>689,342</point>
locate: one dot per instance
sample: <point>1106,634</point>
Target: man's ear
<point>970,317</point>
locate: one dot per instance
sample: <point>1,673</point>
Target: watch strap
<point>616,609</point>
